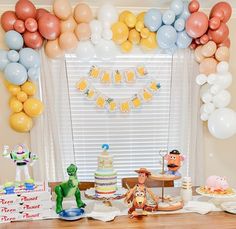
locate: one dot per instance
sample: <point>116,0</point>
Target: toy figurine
<point>138,195</point>
<point>68,189</point>
<point>21,157</point>
<point>174,161</point>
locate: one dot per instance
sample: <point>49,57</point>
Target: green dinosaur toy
<point>68,189</point>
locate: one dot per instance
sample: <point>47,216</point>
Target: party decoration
<point>153,19</point>
<point>62,9</point>
<point>177,6</point>
<point>14,40</point>
<point>107,14</point>
<point>33,40</point>
<point>106,49</point>
<point>85,50</point>
<point>25,9</point>
<point>3,59</point>
<point>83,31</point>
<point>53,50</point>
<point>29,58</point>
<point>69,189</point>
<point>20,122</point>
<point>83,13</point>
<point>68,41</point>
<point>68,25</point>
<point>167,36</point>
<point>120,32</point>
<point>8,20</point>
<point>33,107</point>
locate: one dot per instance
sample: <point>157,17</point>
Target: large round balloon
<point>177,6</point>
<point>62,9</point>
<point>49,26</point>
<point>14,40</point>
<point>85,50</point>
<point>166,36</point>
<point>53,50</point>
<point>83,13</point>
<point>106,49</point>
<point>222,123</point>
<point>168,17</point>
<point>208,66</point>
<point>15,73</point>
<point>120,32</point>
<point>8,20</point>
<point>219,8</point>
<point>20,122</point>
<point>107,14</point>
<point>222,99</point>
<point>33,107</point>
<point>153,19</point>
<point>29,58</point>
<point>68,41</point>
<point>4,61</point>
<point>183,40</point>
<point>197,24</point>
<point>25,9</point>
<point>33,40</point>
<point>220,34</point>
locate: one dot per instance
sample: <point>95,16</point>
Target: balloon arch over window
<point>181,26</point>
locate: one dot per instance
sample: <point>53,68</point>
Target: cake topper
<point>22,157</point>
<point>68,189</point>
<point>138,195</point>
<point>105,147</point>
<point>174,162</point>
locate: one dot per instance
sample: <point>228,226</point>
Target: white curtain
<point>51,137</point>
<point>184,71</point>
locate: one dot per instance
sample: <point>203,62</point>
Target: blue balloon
<point>172,50</point>
<point>168,17</point>
<point>29,58</point>
<point>13,56</point>
<point>166,36</point>
<point>185,14</point>
<point>14,40</point>
<point>15,73</point>
<point>34,73</point>
<point>153,19</point>
<point>183,40</point>
<point>177,6</point>
<point>3,59</point>
<point>179,24</point>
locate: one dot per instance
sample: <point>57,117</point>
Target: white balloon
<point>222,123</point>
<point>108,13</point>
<point>222,67</point>
<point>222,99</point>
<point>96,38</point>
<point>107,34</point>
<point>206,97</point>
<point>201,79</point>
<point>95,27</point>
<point>204,116</point>
<point>224,80</point>
<point>211,79</point>
<point>85,50</point>
<point>106,49</point>
<point>215,89</point>
<point>208,108</point>
<point>204,88</point>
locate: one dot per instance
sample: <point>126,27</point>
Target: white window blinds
<point>135,138</point>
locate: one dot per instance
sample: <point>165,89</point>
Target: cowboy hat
<point>143,170</point>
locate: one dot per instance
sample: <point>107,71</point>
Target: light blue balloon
<point>14,40</point>
<point>29,58</point>
<point>34,73</point>
<point>13,56</point>
<point>3,59</point>
<point>168,17</point>
<point>183,40</point>
<point>15,73</point>
<point>166,36</point>
<point>185,14</point>
<point>179,24</point>
<point>153,19</point>
<point>177,6</point>
<point>172,50</point>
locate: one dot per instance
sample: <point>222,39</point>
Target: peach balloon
<point>83,31</point>
<point>226,43</point>
<point>68,41</point>
<point>53,50</point>
<point>83,13</point>
<point>204,39</point>
<point>62,9</point>
<point>198,54</point>
<point>68,25</point>
<point>222,53</point>
<point>208,66</point>
<point>209,49</point>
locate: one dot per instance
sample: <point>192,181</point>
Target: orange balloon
<point>222,53</point>
<point>134,36</point>
<point>15,105</point>
<point>22,96</point>
<point>209,49</point>
<point>53,50</point>
<point>123,15</point>
<point>20,122</point>
<point>126,46</point>
<point>198,54</point>
<point>13,89</point>
<point>33,107</point>
<point>62,9</point>
<point>120,32</point>
<point>150,42</point>
<point>29,88</point>
<point>68,25</point>
<point>83,13</point>
<point>208,66</point>
<point>68,41</point>
<point>83,31</point>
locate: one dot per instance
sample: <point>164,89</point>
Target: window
<point>135,138</point>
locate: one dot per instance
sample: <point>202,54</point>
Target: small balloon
<point>68,25</point>
<point>62,9</point>
<point>179,24</point>
<point>31,24</point>
<point>29,58</point>
<point>83,13</point>
<point>40,12</point>
<point>95,27</point>
<point>193,6</point>
<point>33,40</point>
<point>222,53</point>
<point>214,23</point>
<point>120,32</point>
<point>167,36</point>
<point>226,43</point>
<point>85,50</point>
<point>68,41</point>
<point>107,34</point>
<point>223,67</point>
<point>204,39</point>
<point>8,20</point>
<point>168,17</point>
<point>34,73</point>
<point>153,19</point>
<point>4,61</point>
<point>220,34</point>
<point>19,26</point>
<point>198,54</point>
<point>13,56</point>
<point>53,50</point>
<point>33,107</point>
<point>183,40</point>
<point>209,49</point>
<point>20,122</point>
<point>208,66</point>
<point>14,40</point>
<point>83,31</point>
<point>108,13</point>
<point>221,8</point>
<point>177,6</point>
<point>222,99</point>
<point>106,49</point>
<point>29,88</point>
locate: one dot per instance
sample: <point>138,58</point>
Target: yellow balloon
<point>13,89</point>
<point>134,36</point>
<point>140,16</point>
<point>130,20</point>
<point>120,32</point>
<point>123,15</point>
<point>15,105</point>
<point>21,96</point>
<point>33,107</point>
<point>145,33</point>
<point>20,122</point>
<point>139,26</point>
<point>150,42</point>
<point>126,46</point>
<point>29,88</point>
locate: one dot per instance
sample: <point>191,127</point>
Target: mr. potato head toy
<point>174,162</point>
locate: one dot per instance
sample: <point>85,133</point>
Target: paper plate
<point>212,195</point>
<point>229,207</point>
<point>72,214</point>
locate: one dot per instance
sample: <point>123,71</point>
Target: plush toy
<point>68,189</point>
<point>138,196</point>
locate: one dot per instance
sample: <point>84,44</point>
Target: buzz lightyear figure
<point>21,157</point>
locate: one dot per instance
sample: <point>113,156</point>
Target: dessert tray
<point>227,194</point>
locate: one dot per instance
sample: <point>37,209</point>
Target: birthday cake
<point>105,175</point>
